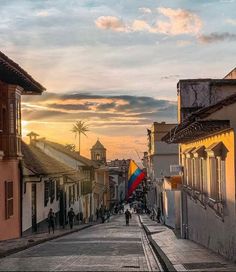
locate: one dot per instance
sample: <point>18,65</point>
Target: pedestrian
<point>71,216</point>
<point>51,221</point>
<point>127,217</point>
<point>158,214</point>
<point>108,215</point>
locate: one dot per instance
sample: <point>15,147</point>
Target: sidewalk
<point>15,245</point>
<point>180,254</point>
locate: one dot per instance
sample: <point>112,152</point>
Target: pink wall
<point>9,228</point>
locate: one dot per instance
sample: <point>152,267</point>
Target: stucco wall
<point>161,164</point>
<point>9,228</point>
<point>27,208</point>
<point>204,226</point>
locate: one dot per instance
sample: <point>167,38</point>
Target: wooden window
<point>78,190</point>
<point>57,189</point>
<point>8,199</point>
<point>52,190</point>
<point>46,192</point>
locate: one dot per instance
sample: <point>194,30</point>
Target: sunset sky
<point>114,63</point>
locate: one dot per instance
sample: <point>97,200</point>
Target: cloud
<point>110,22</point>
<point>99,110</point>
<point>42,13</point>
<point>179,22</point>
<point>145,10</point>
<point>231,21</point>
<point>216,37</point>
<point>141,25</point>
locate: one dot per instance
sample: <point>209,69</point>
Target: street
<point>110,246</point>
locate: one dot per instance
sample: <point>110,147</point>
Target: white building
<point>157,161</point>
<point>47,184</point>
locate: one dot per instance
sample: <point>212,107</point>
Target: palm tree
<point>80,127</point>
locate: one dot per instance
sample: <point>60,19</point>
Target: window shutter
<point>8,199</point>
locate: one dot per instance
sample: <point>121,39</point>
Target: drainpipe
<point>21,194</point>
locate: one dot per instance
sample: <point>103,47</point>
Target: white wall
<point>42,212</point>
<point>27,208</point>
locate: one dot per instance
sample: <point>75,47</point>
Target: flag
<point>135,177</point>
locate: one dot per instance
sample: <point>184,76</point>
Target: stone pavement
<point>180,254</point>
<point>14,245</point>
<point>110,246</point>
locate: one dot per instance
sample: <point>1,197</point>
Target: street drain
<point>191,266</point>
<point>130,266</point>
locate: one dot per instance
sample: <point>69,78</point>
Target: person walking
<point>127,217</point>
<point>51,221</point>
<point>71,216</point>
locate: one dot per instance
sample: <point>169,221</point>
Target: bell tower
<point>98,152</point>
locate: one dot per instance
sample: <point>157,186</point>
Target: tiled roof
<point>12,73</point>
<point>73,154</point>
<point>41,164</point>
<point>196,120</point>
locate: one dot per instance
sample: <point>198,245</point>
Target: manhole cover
<point>191,266</point>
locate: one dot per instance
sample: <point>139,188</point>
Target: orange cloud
<point>110,22</point>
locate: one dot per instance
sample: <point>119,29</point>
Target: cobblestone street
<point>106,247</point>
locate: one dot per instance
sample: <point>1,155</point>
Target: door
<point>34,208</point>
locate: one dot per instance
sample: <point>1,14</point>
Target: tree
<point>80,127</point>
<point>70,147</point>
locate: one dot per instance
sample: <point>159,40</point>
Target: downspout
<point>21,195</point>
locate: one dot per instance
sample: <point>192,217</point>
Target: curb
<point>32,244</point>
<point>165,262</point>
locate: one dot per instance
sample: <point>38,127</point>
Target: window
<point>52,190</point>
<point>8,199</point>
<point>202,175</point>
<point>217,153</point>
<point>57,189</point>
<point>46,192</point>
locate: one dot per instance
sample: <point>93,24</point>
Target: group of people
<point>51,219</point>
<point>103,213</point>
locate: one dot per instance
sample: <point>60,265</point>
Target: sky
<point>114,63</point>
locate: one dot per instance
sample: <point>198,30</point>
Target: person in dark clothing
<point>158,214</point>
<point>71,216</point>
<point>51,221</point>
<point>97,213</point>
<point>127,217</point>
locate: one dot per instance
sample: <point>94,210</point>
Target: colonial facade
<point>157,161</point>
<point>93,178</point>
<point>118,175</point>
<point>14,82</point>
<point>47,184</point>
<point>206,133</point>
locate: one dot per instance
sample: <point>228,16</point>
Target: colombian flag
<point>135,176</point>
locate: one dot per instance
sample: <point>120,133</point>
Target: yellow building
<point>207,154</point>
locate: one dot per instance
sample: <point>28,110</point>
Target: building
<point>93,177</point>
<point>206,134</point>
<point>118,175</point>
<point>98,153</point>
<point>47,184</point>
<point>14,82</point>
<point>101,189</point>
<point>157,162</point>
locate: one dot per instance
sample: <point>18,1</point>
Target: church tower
<point>98,152</point>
